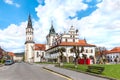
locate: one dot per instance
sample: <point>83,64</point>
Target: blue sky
<point>97,20</point>
<point>13,14</point>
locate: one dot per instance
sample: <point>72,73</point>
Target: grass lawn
<point>111,70</point>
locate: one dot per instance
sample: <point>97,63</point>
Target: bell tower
<point>29,44</point>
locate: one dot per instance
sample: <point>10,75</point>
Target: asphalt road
<point>25,71</point>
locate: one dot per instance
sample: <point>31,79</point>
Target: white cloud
<point>103,24</point>
<point>58,11</point>
<point>13,37</point>
<point>11,3</point>
<point>98,28</point>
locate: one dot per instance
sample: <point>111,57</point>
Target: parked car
<point>9,62</point>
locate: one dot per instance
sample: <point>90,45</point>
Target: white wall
<point>68,53</point>
<point>29,52</point>
<point>37,55</point>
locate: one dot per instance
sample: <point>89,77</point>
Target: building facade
<point>49,51</point>
<point>113,54</point>
<point>66,40</point>
<point>29,44</point>
<point>33,51</point>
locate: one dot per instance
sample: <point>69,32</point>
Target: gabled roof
<point>39,46</point>
<point>114,50</point>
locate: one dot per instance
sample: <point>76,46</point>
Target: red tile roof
<point>39,46</point>
<point>80,43</point>
<point>11,54</point>
<point>114,50</point>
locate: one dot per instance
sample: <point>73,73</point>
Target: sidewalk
<point>75,75</point>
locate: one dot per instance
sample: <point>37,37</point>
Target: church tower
<point>50,36</point>
<point>29,44</point>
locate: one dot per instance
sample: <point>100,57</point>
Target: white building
<point>66,40</point>
<point>33,52</point>
<point>37,52</point>
<point>112,54</point>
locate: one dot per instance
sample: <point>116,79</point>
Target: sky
<point>98,21</point>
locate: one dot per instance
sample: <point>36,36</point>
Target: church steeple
<point>29,25</point>
<point>29,31</point>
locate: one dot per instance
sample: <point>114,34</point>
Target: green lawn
<point>111,70</point>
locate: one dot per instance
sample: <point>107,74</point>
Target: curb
<point>92,74</point>
<point>57,72</point>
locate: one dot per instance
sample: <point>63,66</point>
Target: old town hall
<point>35,52</point>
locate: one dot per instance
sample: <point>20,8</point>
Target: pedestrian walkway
<point>75,75</point>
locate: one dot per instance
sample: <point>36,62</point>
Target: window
<point>86,51</point>
<point>66,40</point>
<point>91,51</point>
<point>42,53</point>
<point>73,36</point>
<point>37,54</point>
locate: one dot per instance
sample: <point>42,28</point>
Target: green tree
<point>77,52</point>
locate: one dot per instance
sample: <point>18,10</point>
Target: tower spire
<point>29,25</point>
<point>52,30</point>
<point>29,31</point>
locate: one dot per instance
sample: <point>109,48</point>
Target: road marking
<point>58,74</point>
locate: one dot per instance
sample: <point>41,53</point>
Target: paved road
<point>25,71</point>
<point>75,75</point>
